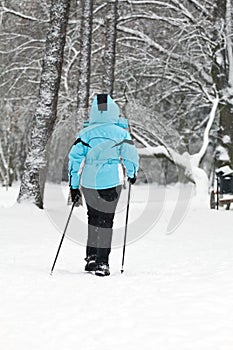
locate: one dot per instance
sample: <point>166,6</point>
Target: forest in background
<point>172,59</point>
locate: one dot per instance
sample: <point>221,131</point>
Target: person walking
<point>98,159</point>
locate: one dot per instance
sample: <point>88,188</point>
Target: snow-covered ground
<point>176,291</point>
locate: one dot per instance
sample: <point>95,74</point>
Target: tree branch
<point>21,15</point>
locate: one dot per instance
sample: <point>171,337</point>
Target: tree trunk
<point>110,46</point>
<point>222,68</point>
<point>32,184</point>
<point>85,60</point>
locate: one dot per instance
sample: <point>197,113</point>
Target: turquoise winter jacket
<point>102,149</point>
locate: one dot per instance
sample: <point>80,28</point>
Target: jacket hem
<point>103,187</point>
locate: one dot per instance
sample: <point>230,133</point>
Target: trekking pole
<point>126,226</point>
<point>67,223</point>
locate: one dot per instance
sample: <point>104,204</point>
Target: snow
<point>222,153</point>
<point>224,170</point>
<point>226,139</point>
<point>176,291</point>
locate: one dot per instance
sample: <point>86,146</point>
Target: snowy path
<point>176,292</point>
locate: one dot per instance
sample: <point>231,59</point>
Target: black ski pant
<point>101,207</point>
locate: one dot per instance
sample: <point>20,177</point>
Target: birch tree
<point>32,184</point>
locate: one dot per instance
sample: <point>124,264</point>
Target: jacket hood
<point>111,115</point>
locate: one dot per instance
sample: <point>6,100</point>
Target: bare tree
<point>110,46</point>
<point>173,59</point>
<point>222,71</point>
<point>23,28</point>
<point>189,163</point>
<point>8,145</point>
<point>32,184</point>
<point>85,60</point>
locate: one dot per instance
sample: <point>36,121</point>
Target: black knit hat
<point>102,100</point>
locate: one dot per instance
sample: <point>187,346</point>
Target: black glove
<point>75,194</point>
<point>132,180</point>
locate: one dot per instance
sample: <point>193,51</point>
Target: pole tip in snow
<point>122,271</point>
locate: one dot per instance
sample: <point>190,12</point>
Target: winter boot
<point>102,270</point>
<point>91,265</point>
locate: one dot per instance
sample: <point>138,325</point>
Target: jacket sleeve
<point>76,161</point>
<point>129,156</point>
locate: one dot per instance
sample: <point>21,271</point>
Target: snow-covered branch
<point>196,158</point>
<point>200,6</point>
<point>5,9</point>
<point>181,161</point>
<point>151,17</point>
